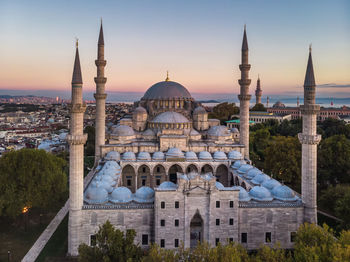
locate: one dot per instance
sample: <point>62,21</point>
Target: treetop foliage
<point>224,111</point>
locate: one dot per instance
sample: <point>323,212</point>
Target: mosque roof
<point>219,155</point>
<point>158,155</point>
<point>129,156</point>
<point>234,155</point>
<point>112,155</point>
<point>260,178</point>
<point>167,90</point>
<point>244,168</point>
<point>190,155</point>
<point>252,173</point>
<point>174,152</point>
<point>144,194</point>
<point>218,131</point>
<point>170,117</point>
<point>96,195</point>
<point>140,109</point>
<point>144,156</point>
<point>122,130</point>
<point>205,155</point>
<point>167,185</point>
<point>199,110</point>
<point>284,193</point>
<point>238,164</point>
<point>121,195</point>
<point>260,193</point>
<point>243,194</point>
<point>270,184</point>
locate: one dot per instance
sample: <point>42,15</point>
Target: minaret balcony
<point>244,67</point>
<point>244,82</point>
<point>244,97</point>
<point>309,139</point>
<point>76,139</point>
<point>100,80</point>
<point>100,96</point>
<point>100,62</point>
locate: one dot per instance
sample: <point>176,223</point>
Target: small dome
<point>158,155</point>
<point>174,152</point>
<point>238,164</point>
<point>234,155</point>
<point>166,90</point>
<point>129,156</point>
<point>260,193</point>
<point>199,110</point>
<point>149,132</point>
<point>144,194</point>
<point>121,195</point>
<point>108,180</point>
<point>219,131</point>
<point>194,132</point>
<point>63,136</point>
<point>96,195</point>
<point>244,168</point>
<point>284,193</point>
<point>260,178</point>
<point>219,155</point>
<point>144,156</point>
<point>279,104</point>
<point>122,130</point>
<point>112,155</point>
<point>167,185</point>
<point>190,155</point>
<point>170,117</point>
<point>205,155</point>
<point>106,185</point>
<point>234,130</point>
<point>243,194</point>
<point>271,183</point>
<point>252,173</point>
<point>140,110</point>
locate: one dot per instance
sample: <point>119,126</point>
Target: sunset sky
<point>198,41</point>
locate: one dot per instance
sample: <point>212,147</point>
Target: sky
<point>198,41</point>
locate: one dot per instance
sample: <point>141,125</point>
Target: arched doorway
<point>192,168</point>
<point>159,175</point>
<point>129,177</point>
<point>196,230</point>
<point>143,176</point>
<point>207,169</point>
<point>172,173</point>
<point>222,175</point>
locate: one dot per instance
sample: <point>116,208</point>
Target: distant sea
<point>130,97</point>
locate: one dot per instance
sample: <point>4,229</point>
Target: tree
<point>276,254</point>
<point>90,142</point>
<point>111,245</point>
<point>333,160</point>
<point>30,178</point>
<point>258,107</point>
<point>259,141</point>
<point>283,160</point>
<point>224,111</point>
<point>331,127</point>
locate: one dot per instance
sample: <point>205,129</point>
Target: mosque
<point>176,176</point>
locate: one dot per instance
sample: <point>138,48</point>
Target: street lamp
<point>25,214</point>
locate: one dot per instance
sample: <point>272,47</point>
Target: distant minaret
<point>244,96</point>
<point>76,140</point>
<point>100,97</point>
<point>258,92</point>
<point>298,102</point>
<point>309,140</point>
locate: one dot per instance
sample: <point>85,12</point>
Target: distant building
<point>258,117</point>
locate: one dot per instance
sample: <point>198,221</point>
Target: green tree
<point>283,160</point>
<point>259,107</point>
<point>333,160</point>
<point>90,142</point>
<point>276,254</point>
<point>30,178</point>
<point>259,141</point>
<point>332,127</point>
<point>111,245</point>
<point>224,111</point>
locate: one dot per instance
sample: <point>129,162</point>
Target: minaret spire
<point>76,140</point>
<point>167,76</point>
<point>309,140</point>
<point>244,96</point>
<point>100,96</point>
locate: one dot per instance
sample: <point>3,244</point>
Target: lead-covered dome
<point>252,173</point>
<point>216,131</point>
<point>170,117</point>
<point>144,194</point>
<point>112,155</point>
<point>238,164</point>
<point>121,195</point>
<point>122,130</point>
<point>244,168</point>
<point>129,156</point>
<point>158,155</point>
<point>174,152</point>
<point>260,193</point>
<point>234,155</point>
<point>167,185</point>
<point>284,193</point>
<point>167,90</point>
<point>243,194</point>
<point>191,156</point>
<point>205,155</point>
<point>144,156</point>
<point>96,195</point>
<point>219,155</point>
<point>271,183</point>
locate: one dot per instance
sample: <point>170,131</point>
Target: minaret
<point>298,102</point>
<point>76,140</point>
<point>258,92</point>
<point>267,102</point>
<point>100,97</point>
<point>309,140</point>
<point>244,97</point>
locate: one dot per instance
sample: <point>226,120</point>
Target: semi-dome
<point>238,164</point>
<point>129,156</point>
<point>140,110</point>
<point>194,132</point>
<point>106,185</point>
<point>158,155</point>
<point>219,131</point>
<point>167,90</point>
<point>219,155</point>
<point>205,155</point>
<point>252,173</point>
<point>234,130</point>
<point>243,194</point>
<point>190,155</point>
<point>244,168</point>
<point>149,132</point>
<point>260,178</point>
<point>121,195</point>
<point>170,117</point>
<point>270,184</point>
<point>112,155</point>
<point>96,195</point>
<point>122,130</point>
<point>144,194</point>
<point>284,193</point>
<point>260,193</point>
<point>234,155</point>
<point>199,110</point>
<point>108,180</point>
<point>174,152</point>
<point>144,156</point>
<point>167,185</point>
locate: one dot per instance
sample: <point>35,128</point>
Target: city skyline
<point>198,42</point>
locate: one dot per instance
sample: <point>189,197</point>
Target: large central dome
<point>167,90</point>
